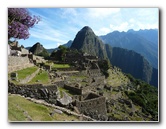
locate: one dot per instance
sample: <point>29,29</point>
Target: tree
<point>19,23</point>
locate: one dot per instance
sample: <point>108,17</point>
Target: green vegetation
<point>26,72</point>
<point>146,96</point>
<point>20,109</point>
<point>22,74</point>
<point>61,66</point>
<point>60,53</point>
<point>44,54</point>
<point>41,77</point>
<point>104,66</point>
<point>116,78</point>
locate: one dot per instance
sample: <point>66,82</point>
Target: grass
<point>25,72</point>
<point>17,105</point>
<point>116,78</point>
<point>42,77</point>
<point>60,66</point>
<point>22,74</point>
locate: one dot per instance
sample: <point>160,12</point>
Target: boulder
<point>65,100</point>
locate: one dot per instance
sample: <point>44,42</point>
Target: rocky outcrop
<point>64,100</point>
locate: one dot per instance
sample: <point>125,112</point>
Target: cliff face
<point>131,62</point>
<point>128,60</point>
<point>144,42</point>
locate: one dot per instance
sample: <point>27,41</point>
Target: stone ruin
<point>15,50</point>
<point>85,99</point>
<point>37,91</point>
<point>92,105</point>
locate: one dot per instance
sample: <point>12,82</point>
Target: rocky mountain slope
<point>144,42</point>
<point>129,61</point>
<point>87,41</point>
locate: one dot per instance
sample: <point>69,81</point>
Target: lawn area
<point>61,66</point>
<point>19,108</point>
<point>25,72</point>
<point>41,77</point>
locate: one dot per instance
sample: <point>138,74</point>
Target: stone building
<point>92,105</point>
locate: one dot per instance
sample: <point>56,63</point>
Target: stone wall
<point>74,89</point>
<point>60,83</point>
<point>17,63</point>
<point>99,80</point>
<point>24,51</point>
<point>93,107</point>
<point>37,91</point>
<point>36,59</point>
<point>68,73</point>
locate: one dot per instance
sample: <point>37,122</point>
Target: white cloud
<point>66,12</point>
<point>122,27</point>
<point>146,26</point>
<point>131,20</point>
<point>103,31</point>
<point>102,12</point>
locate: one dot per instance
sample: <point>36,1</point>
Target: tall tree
<point>19,23</point>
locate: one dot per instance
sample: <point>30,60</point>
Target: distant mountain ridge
<point>68,44</point>
<point>144,42</point>
<point>129,61</point>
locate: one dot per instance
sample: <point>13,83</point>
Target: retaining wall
<point>17,63</point>
<point>95,108</point>
<point>37,91</point>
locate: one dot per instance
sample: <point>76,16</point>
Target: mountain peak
<point>88,42</point>
<point>86,29</point>
<point>130,30</point>
<point>38,49</point>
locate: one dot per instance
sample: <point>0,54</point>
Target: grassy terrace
<point>25,72</point>
<point>117,78</point>
<point>19,109</point>
<point>22,74</point>
<point>41,77</point>
<point>60,66</point>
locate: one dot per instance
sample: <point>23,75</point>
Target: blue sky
<point>59,25</point>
